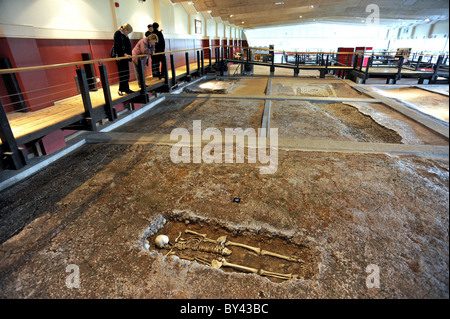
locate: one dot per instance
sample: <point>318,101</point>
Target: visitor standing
<point>122,48</point>
<point>144,46</point>
<point>158,66</point>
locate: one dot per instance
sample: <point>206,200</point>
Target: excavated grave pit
<point>335,121</point>
<point>313,88</point>
<point>434,104</point>
<point>210,87</point>
<point>301,261</point>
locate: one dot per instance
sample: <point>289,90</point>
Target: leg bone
<point>276,275</point>
<point>268,253</point>
<point>255,249</point>
<point>239,267</point>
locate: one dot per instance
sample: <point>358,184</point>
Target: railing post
<point>400,66</point>
<point>166,70</point>
<point>11,151</point>
<point>272,67</point>
<point>174,74</point>
<point>84,90</point>
<point>436,69</point>
<point>12,87</point>
<point>202,58</point>
<point>210,57</point>
<point>142,84</point>
<point>188,67</point>
<point>199,65</point>
<point>90,75</point>
<point>222,66</point>
<point>418,63</point>
<point>110,112</point>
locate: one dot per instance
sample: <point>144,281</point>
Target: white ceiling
<point>262,13</point>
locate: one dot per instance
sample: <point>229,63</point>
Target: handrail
<point>78,63</point>
<point>334,52</point>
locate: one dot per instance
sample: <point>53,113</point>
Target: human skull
<point>161,241</point>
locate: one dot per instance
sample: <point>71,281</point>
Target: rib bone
<point>206,239</point>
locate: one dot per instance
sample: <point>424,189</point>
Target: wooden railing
<point>14,157</point>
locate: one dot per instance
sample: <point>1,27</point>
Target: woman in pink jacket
<point>144,46</point>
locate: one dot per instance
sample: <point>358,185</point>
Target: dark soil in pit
<point>181,113</point>
<point>304,269</point>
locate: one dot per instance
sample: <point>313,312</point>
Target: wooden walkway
<point>70,110</point>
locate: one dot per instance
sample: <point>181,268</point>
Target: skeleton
<point>261,252</point>
<point>219,246</point>
<point>198,244</point>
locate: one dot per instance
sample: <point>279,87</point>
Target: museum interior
<point>257,149</point>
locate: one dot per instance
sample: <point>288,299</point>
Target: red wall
<point>42,88</point>
<point>34,84</point>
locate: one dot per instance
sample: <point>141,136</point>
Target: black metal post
<point>84,90</point>
<point>174,74</point>
<point>210,56</point>
<point>400,67</point>
<point>202,57</point>
<point>354,61</point>
<point>110,112</point>
<point>10,149</point>
<point>188,67</point>
<point>12,87</point>
<point>89,68</point>
<point>436,69</point>
<point>199,63</point>
<point>142,84</point>
<point>272,67</point>
<point>166,71</point>
<point>418,63</point>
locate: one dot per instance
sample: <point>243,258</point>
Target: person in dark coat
<point>158,60</point>
<point>122,47</point>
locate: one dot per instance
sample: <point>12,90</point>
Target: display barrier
<point>23,129</point>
